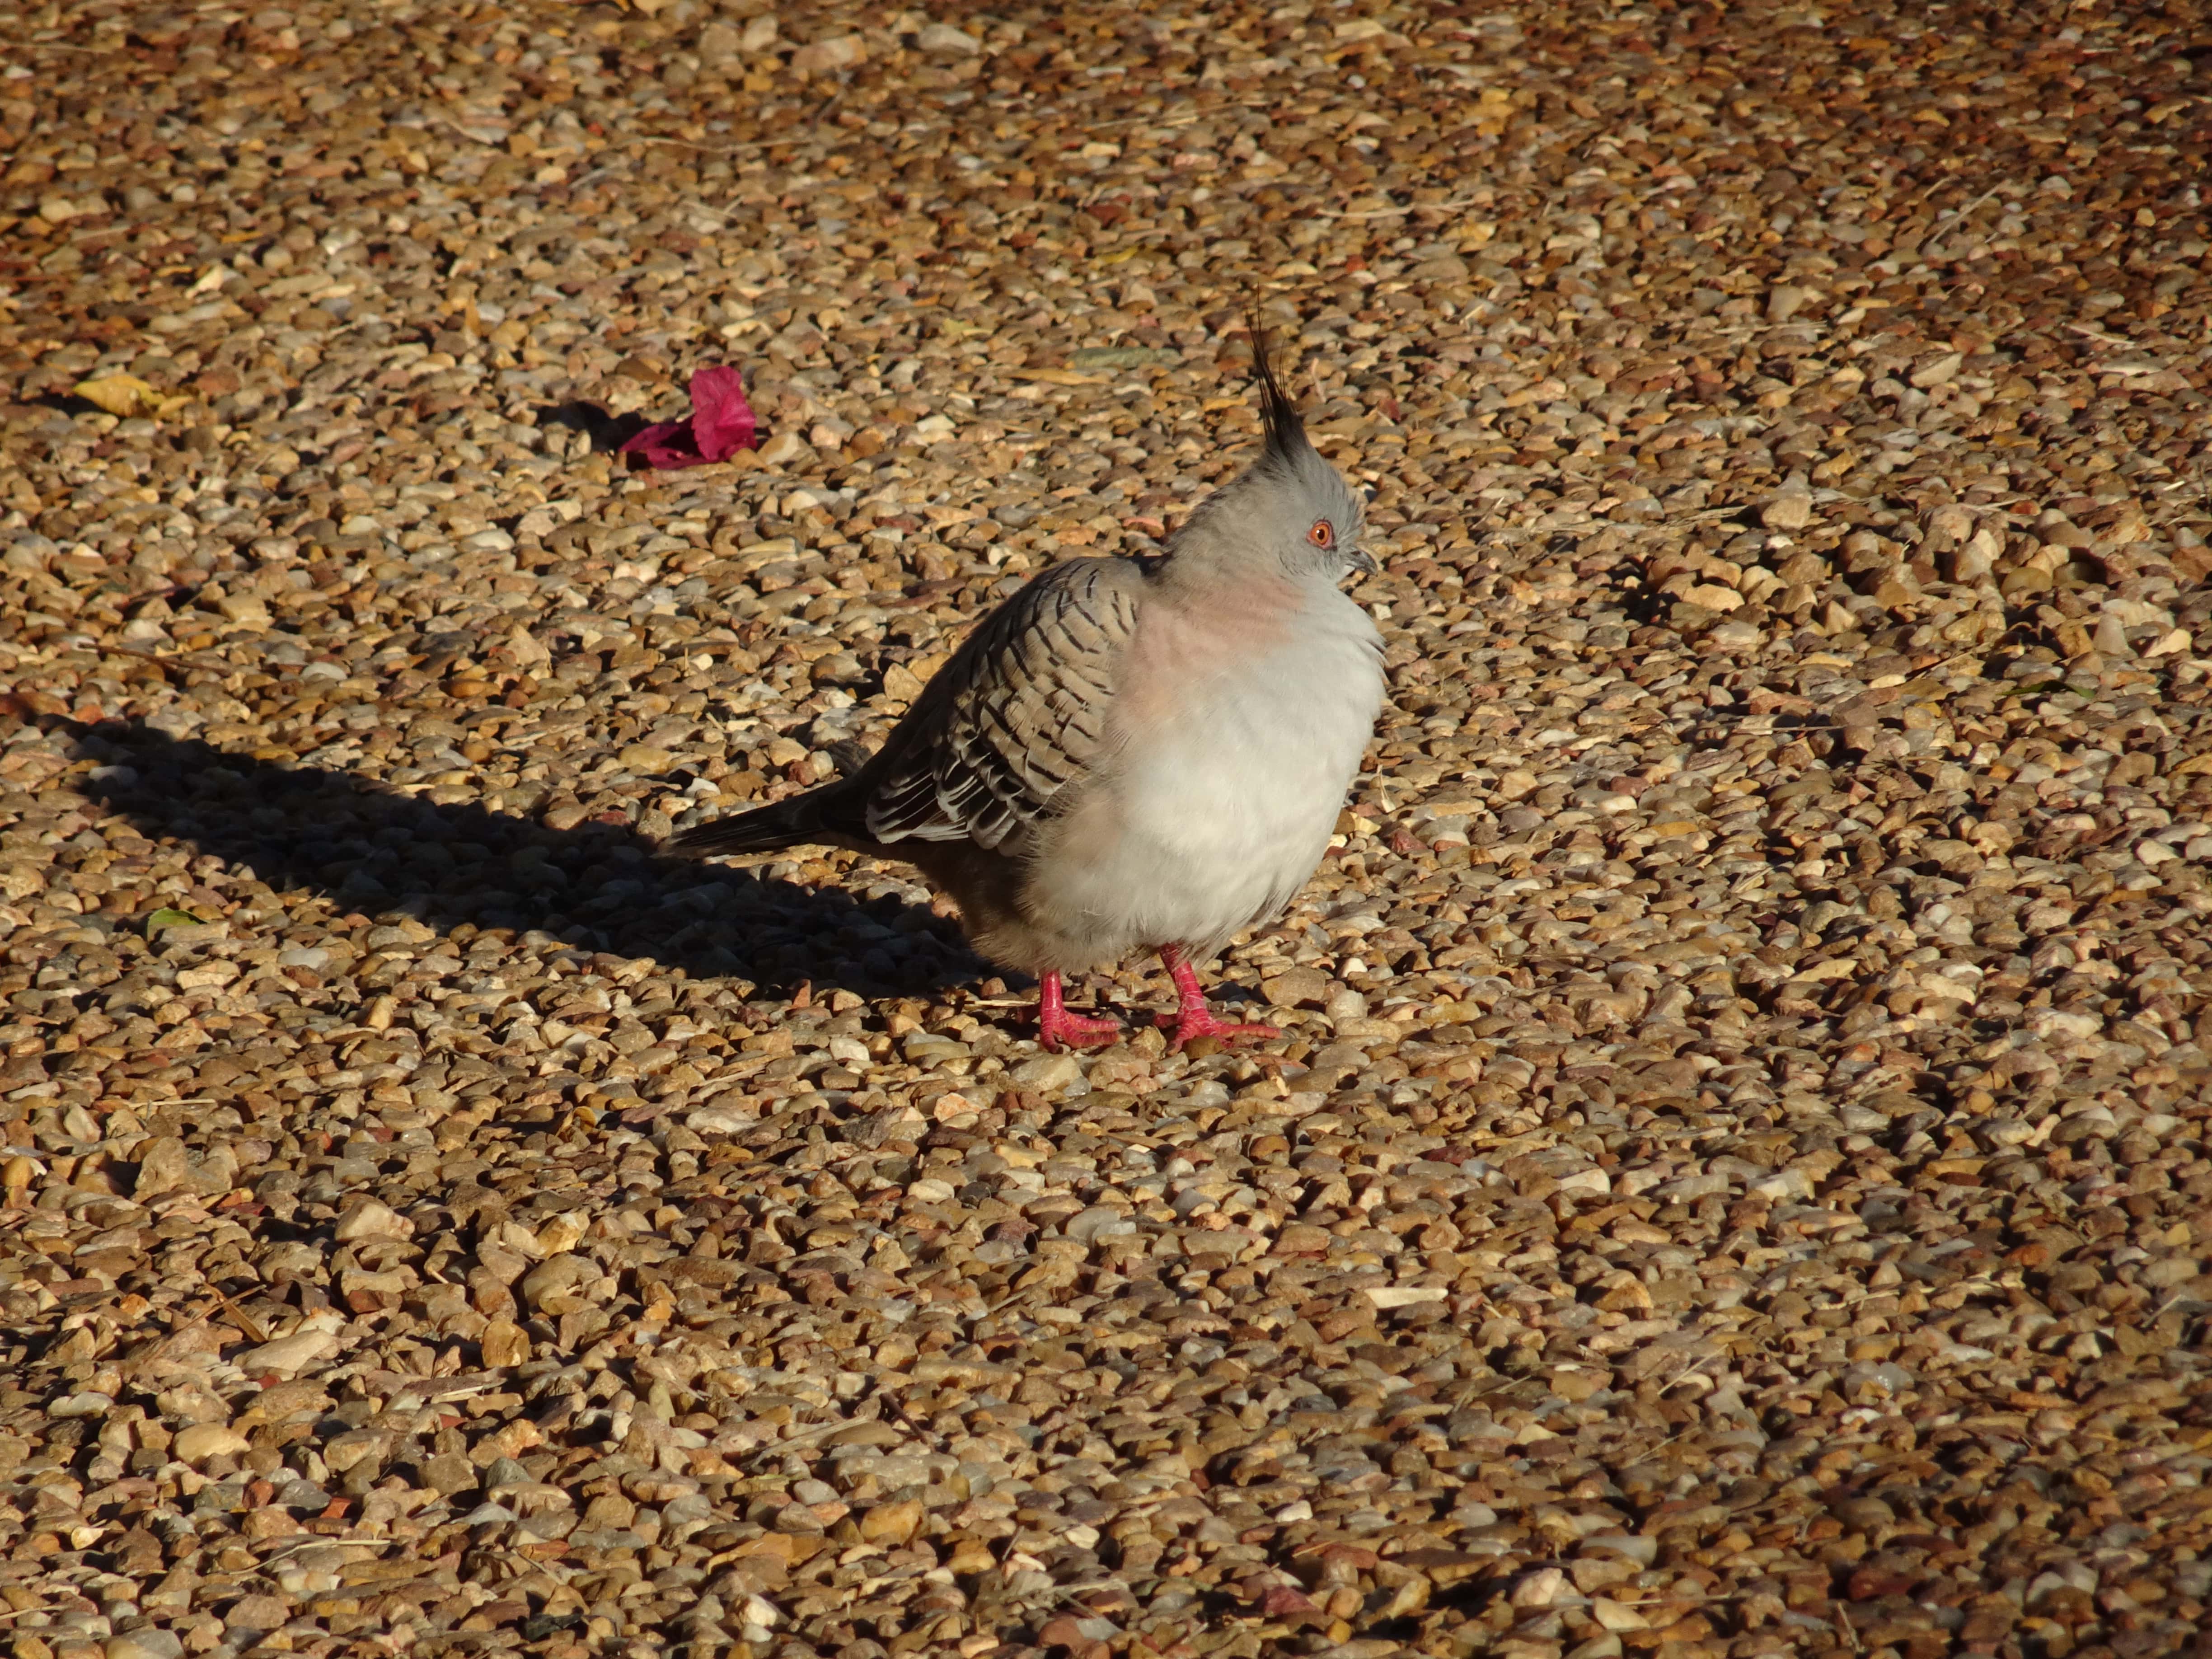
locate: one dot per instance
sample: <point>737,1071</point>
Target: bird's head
<point>1289,506</point>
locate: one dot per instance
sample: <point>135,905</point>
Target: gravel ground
<point>1734,1182</point>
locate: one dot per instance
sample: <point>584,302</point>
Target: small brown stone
<point>892,1524</point>
<point>503,1344</point>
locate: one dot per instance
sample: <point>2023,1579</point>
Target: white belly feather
<point>1213,816</point>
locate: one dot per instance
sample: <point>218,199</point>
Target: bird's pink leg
<point>1193,1019</point>
<point>1058,1029</point>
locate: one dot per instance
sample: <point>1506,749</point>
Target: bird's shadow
<point>598,886</point>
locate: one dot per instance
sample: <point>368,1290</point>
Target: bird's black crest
<point>1286,433</point>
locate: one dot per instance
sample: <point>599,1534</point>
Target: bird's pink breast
<point>1186,644</point>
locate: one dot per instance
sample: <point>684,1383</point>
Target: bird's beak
<point>1362,560</point>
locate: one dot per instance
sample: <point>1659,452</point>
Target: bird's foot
<point>1059,1029</point>
<point>1192,1019</point>
<point>1190,1025</point>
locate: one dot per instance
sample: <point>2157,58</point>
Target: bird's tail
<point>824,816</point>
<point>764,829</point>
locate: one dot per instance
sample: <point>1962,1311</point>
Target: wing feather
<point>1016,718</point>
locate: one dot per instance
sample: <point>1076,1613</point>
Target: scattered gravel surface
<point>1734,1182</point>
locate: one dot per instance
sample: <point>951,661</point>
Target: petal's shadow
<point>607,432</point>
<point>598,886</point>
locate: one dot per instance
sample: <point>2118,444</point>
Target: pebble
<point>198,1441</point>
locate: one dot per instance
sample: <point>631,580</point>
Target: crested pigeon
<point>1131,753</point>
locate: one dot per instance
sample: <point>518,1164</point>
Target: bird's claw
<point>1058,1029</point>
<point>1190,1027</point>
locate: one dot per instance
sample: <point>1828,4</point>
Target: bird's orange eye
<point>1323,533</point>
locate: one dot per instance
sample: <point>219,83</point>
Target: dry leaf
<point>126,396</point>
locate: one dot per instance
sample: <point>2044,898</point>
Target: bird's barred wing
<point>1017,717</point>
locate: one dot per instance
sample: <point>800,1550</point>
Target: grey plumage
<point>1017,717</point>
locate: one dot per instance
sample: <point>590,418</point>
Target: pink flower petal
<point>721,419</point>
<point>666,446</point>
<point>720,424</point>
